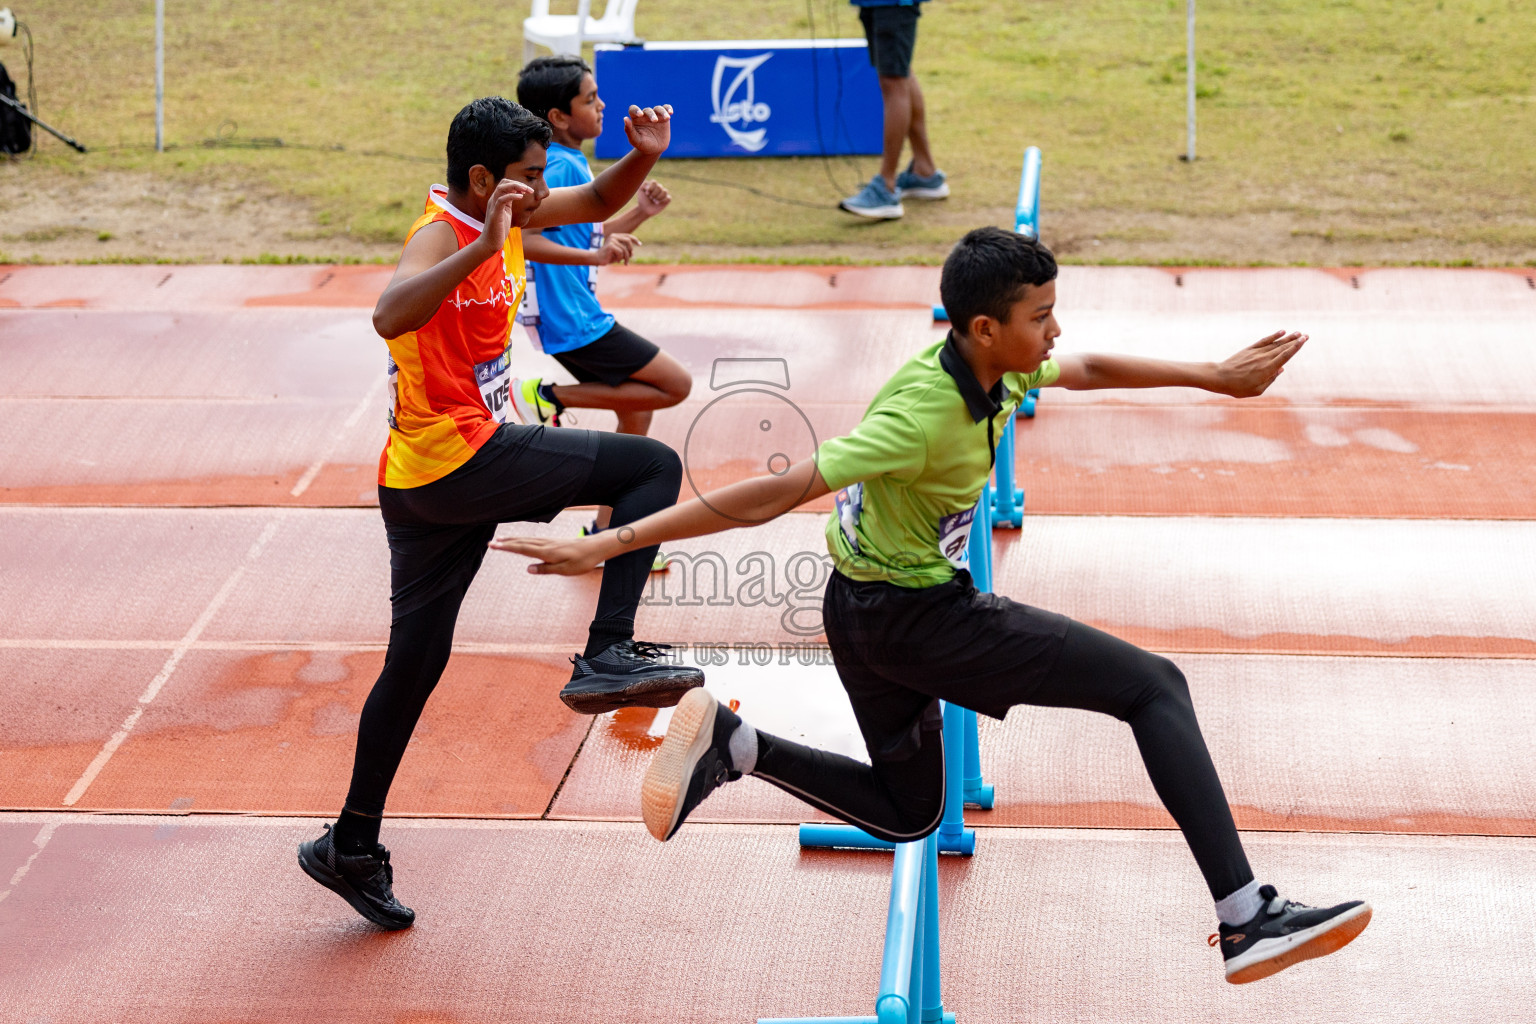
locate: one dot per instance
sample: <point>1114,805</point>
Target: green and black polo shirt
<point>909,475</point>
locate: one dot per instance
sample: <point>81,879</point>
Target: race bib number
<point>596,243</point>
<point>394,394</point>
<point>850,506</point>
<point>495,379</point>
<point>528,309</point>
<point>955,537</point>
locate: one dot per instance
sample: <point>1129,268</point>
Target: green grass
<point>1331,131</point>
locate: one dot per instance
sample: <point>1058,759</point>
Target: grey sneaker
<point>874,201</point>
<point>910,186</point>
<point>364,880</point>
<point>693,762</point>
<point>631,673</point>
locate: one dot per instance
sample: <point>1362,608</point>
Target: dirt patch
<point>122,215</point>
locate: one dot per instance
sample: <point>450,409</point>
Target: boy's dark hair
<point>491,131</point>
<point>987,271</point>
<point>550,83</point>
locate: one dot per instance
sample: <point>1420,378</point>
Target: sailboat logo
<point>731,111</point>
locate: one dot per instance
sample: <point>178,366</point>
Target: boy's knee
<point>1166,678</point>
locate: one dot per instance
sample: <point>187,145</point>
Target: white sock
<point>743,748</point>
<point>1238,908</point>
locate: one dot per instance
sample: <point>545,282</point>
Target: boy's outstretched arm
<point>745,503</point>
<point>617,248</point>
<point>433,265</point>
<point>652,198</point>
<point>649,132</point>
<point>1244,375</point>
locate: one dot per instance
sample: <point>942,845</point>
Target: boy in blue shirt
<point>616,368</point>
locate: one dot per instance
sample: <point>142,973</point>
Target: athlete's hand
<point>1250,372</point>
<point>652,198</point>
<point>649,130</point>
<point>555,557</point>
<point>501,211</point>
<point>617,248</point>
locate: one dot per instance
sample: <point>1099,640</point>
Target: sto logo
<point>751,426</point>
<point>729,110</point>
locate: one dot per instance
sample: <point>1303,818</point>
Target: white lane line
<point>156,684</point>
<point>330,449</point>
<point>40,841</point>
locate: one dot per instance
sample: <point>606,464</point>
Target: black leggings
<point>903,799</point>
<point>634,475</point>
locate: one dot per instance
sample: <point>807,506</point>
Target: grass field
<point>1331,131</point>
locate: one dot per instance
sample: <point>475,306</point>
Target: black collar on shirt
<point>980,404</point>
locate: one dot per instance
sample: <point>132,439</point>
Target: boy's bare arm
<point>649,132</point>
<point>746,503</point>
<point>432,264</point>
<point>616,248</point>
<point>652,198</point>
<point>1246,374</point>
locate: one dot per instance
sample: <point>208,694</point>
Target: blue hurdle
<point>910,988</point>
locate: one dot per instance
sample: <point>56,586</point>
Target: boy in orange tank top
<point>457,461</point>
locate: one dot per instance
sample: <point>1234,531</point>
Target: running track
<point>193,603</point>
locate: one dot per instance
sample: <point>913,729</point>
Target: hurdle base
<point>948,1018</point>
<point>817,836</point>
<point>977,795</point>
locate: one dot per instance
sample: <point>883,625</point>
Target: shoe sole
<point>942,192</point>
<point>666,780</point>
<point>341,887</point>
<point>1328,937</point>
<point>873,212</point>
<point>655,692</point>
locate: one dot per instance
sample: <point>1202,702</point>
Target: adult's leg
<point>1100,672</point>
<point>917,132</point>
<point>419,645</point>
<point>896,94</point>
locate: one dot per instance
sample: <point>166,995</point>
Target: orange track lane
<point>1394,745</point>
<point>528,921</point>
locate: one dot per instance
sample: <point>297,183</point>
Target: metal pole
<point>1189,153</point>
<point>159,76</point>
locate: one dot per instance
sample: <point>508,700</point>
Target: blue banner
<point>771,97</point>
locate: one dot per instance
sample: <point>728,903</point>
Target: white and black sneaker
<point>628,674</point>
<point>693,762</point>
<point>1283,933</point>
<point>364,880</point>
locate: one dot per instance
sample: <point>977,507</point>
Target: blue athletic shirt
<point>560,307</point>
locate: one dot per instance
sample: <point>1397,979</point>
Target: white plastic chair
<point>565,33</point>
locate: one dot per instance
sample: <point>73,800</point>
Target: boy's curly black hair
<point>987,271</point>
<point>550,83</point>
<point>491,131</point>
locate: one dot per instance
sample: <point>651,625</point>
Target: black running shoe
<point>631,673</point>
<point>363,880</point>
<point>693,762</point>
<point>1283,933</point>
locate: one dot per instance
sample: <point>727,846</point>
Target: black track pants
<point>437,537</point>
<point>898,651</point>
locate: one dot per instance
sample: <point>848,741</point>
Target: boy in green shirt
<point>907,628</point>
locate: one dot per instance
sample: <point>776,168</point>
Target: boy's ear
<point>982,329</point>
<point>558,119</point>
<point>481,181</point>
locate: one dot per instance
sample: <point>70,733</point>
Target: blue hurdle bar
<point>1026,214</point>
<point>910,989</point>
<point>1008,500</point>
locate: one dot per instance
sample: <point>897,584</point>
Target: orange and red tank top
<point>449,378</point>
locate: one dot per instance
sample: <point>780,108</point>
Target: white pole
<point>1189,153</point>
<point>159,76</point>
